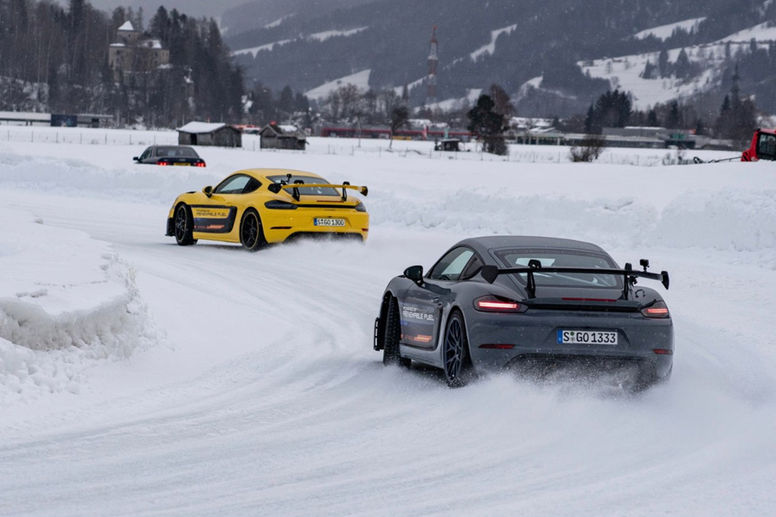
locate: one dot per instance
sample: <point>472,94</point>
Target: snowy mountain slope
<point>663,32</point>
<point>360,80</point>
<point>506,43</point>
<point>625,72</point>
<point>265,397</point>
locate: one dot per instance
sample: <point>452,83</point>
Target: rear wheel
<point>457,363</point>
<point>184,226</point>
<point>251,232</point>
<point>392,336</point>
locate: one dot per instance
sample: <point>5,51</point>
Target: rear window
<point>176,152</point>
<point>305,191</point>
<point>766,146</point>
<point>562,258</point>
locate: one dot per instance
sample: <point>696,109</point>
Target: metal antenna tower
<point>433,60</point>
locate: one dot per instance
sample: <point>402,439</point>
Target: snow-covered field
<point>141,378</point>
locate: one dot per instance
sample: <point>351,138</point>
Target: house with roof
<point>209,133</point>
<point>280,136</point>
<point>132,53</point>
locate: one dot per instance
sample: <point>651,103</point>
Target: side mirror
<point>414,273</point>
<point>136,158</point>
<point>208,191</point>
<point>274,187</point>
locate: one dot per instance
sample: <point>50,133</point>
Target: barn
<point>275,136</point>
<point>208,133</point>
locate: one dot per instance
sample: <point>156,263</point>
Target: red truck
<point>763,146</point>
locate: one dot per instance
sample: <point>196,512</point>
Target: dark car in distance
<point>502,301</point>
<point>170,155</point>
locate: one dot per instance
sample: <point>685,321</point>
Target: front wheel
<point>457,363</point>
<point>184,226</point>
<point>392,336</point>
<point>251,233</point>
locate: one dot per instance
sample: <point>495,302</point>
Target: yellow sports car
<point>259,206</point>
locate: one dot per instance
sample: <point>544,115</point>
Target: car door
<point>220,213</point>
<point>423,304</point>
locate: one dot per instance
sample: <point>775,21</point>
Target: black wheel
<point>184,226</point>
<point>251,232</point>
<point>456,352</point>
<point>392,335</point>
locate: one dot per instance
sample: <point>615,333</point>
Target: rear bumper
<point>280,225</point>
<point>499,340</point>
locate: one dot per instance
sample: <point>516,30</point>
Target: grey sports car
<point>501,301</point>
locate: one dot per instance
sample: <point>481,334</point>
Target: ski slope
<point>211,381</point>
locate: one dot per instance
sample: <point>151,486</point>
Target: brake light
<point>656,310</point>
<point>162,163</point>
<point>277,204</point>
<point>497,304</point>
<point>200,164</point>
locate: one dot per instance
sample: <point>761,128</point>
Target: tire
<point>251,232</point>
<point>455,352</point>
<point>392,336</point>
<point>184,226</point>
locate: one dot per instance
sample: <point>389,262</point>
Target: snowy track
<point>261,394</point>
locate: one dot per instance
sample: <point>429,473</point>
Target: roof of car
<point>278,172</point>
<point>490,242</point>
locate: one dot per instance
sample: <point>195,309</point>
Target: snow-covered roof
<point>25,115</point>
<point>152,43</point>
<point>201,127</point>
<point>127,26</point>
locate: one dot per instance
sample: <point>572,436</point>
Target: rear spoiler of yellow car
<point>345,186</point>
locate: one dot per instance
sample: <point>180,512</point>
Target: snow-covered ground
<point>141,378</point>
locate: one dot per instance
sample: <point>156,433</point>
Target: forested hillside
<point>55,59</point>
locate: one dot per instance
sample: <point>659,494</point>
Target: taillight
<point>200,163</point>
<point>656,310</point>
<point>277,204</point>
<point>497,304</point>
<point>360,207</point>
<point>162,163</point>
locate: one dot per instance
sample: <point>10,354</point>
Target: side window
<point>146,154</point>
<point>252,185</point>
<point>766,146</point>
<point>474,266</point>
<point>451,265</point>
<point>233,185</point>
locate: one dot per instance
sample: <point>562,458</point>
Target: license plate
<point>587,337</point>
<point>182,163</point>
<point>329,221</point>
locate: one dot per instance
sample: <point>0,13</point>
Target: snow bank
<point>65,301</point>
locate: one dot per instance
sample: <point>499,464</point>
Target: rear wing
<point>490,273</point>
<point>294,187</point>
